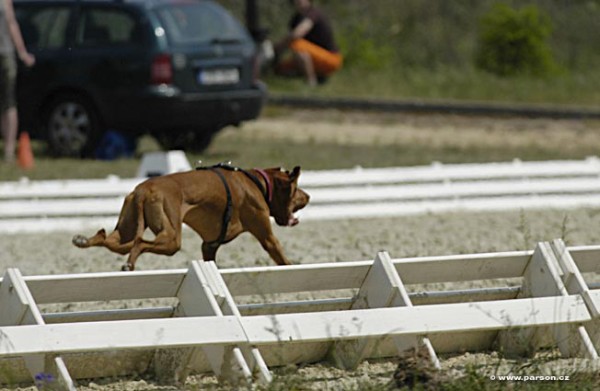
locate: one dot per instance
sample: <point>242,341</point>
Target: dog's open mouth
<point>292,221</point>
<point>289,221</point>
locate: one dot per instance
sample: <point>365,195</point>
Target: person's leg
<point>8,106</point>
<point>10,125</point>
<point>305,63</point>
<point>3,130</point>
<point>315,61</point>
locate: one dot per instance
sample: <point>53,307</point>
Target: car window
<point>44,28</point>
<point>192,23</point>
<point>101,27</point>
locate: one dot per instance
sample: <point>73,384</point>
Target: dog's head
<point>287,196</point>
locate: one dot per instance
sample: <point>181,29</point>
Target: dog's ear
<point>295,173</point>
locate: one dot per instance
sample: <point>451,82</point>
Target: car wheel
<point>196,141</point>
<point>72,126</point>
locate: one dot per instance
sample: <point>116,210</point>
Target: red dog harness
<point>263,174</point>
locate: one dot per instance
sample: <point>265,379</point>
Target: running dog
<point>218,202</point>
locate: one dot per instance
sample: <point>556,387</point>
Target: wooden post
<point>382,287</point>
<point>17,307</point>
<point>228,306</point>
<point>575,284</point>
<point>544,277</point>
<point>197,299</point>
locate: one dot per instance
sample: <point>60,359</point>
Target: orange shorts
<point>324,61</point>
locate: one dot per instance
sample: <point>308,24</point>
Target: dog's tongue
<point>293,221</point>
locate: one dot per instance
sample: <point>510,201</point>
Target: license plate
<point>219,76</point>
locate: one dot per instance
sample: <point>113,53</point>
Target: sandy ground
<point>352,240</point>
<point>349,240</point>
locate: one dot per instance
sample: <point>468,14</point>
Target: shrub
<point>513,42</point>
<point>363,52</point>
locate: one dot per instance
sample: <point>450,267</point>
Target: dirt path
<point>336,241</point>
<point>355,128</point>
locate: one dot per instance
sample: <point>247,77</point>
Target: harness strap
<point>258,184</point>
<point>226,214</point>
<point>268,194</point>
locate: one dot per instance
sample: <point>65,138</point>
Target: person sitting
<point>315,54</point>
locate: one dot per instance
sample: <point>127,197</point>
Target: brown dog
<point>219,203</point>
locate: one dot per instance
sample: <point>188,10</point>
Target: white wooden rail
<point>77,204</point>
<point>375,309</point>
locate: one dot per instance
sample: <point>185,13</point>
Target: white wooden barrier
<point>30,206</point>
<point>239,322</point>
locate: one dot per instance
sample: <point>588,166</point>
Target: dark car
<point>179,70</point>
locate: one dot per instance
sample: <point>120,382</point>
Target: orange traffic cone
<point>24,153</point>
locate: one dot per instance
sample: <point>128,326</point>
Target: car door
<point>111,55</point>
<point>45,29</point>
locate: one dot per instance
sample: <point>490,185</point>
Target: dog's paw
<point>80,241</point>
<point>126,267</point>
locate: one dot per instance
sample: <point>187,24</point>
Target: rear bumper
<point>163,108</point>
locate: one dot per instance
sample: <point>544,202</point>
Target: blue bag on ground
<point>115,145</point>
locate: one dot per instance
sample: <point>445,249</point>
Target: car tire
<point>72,126</point>
<point>196,141</point>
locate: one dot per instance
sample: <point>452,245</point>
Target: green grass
<point>582,89</point>
<point>310,155</point>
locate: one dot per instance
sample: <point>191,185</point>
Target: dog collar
<point>268,182</point>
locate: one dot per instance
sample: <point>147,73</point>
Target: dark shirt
<point>321,34</point>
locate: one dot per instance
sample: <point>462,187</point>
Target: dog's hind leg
<point>111,242</point>
<point>96,240</point>
<point>167,242</point>
<point>121,239</point>
<point>165,222</point>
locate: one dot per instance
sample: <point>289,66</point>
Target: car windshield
<point>193,23</point>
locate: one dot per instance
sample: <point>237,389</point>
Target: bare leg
<point>10,125</point>
<point>308,69</point>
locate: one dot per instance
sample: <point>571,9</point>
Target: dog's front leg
<point>209,251</point>
<point>273,247</point>
<point>261,229</point>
